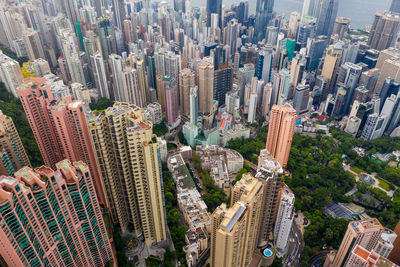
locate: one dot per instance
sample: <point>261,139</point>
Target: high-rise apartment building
<point>270,174</point>
<point>234,229</point>
<point>280,132</point>
<point>186,83</point>
<point>59,218</point>
<point>384,31</point>
<point>10,73</point>
<point>395,253</point>
<point>206,86</point>
<point>194,105</point>
<point>129,161</point>
<point>301,98</point>
<point>60,128</point>
<point>12,153</point>
<point>284,220</point>
<point>365,233</point>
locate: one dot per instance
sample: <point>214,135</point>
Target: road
<point>295,247</point>
<point>253,166</point>
<point>314,260</point>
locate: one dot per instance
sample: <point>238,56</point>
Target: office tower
<point>251,117</point>
<point>234,229</point>
<point>294,22</point>
<point>369,79</point>
<point>264,14</point>
<point>331,65</point>
<point>327,17</point>
<point>384,31</point>
<point>315,51</point>
<point>297,71</point>
<point>33,44</point>
<point>350,52</point>
<point>244,78</point>
<point>186,83</point>
<point>100,75</point>
<point>341,27</point>
<point>371,58</point>
<point>59,218</point>
<point>60,128</point>
<point>179,5</point>
<point>127,152</point>
<point>206,86</point>
<point>171,99</point>
<point>389,68</point>
<point>13,155</point>
<point>364,233</point>
<point>10,73</point>
<point>269,172</point>
<point>116,66</point>
<point>342,91</point>
<point>301,98</point>
<point>307,29</point>
<point>349,74</point>
<point>214,7</point>
<point>243,11</point>
<point>266,100</point>
<point>284,220</point>
<point>372,126</point>
<point>264,64</point>
<point>395,6</point>
<point>280,132</point>
<point>194,104</point>
<point>394,255</point>
<point>311,8</point>
<point>223,82</point>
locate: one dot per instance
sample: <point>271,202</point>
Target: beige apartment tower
<point>280,132</point>
<point>128,158</point>
<point>234,230</point>
<point>365,233</point>
<point>186,82</point>
<point>269,173</point>
<point>206,86</point>
<point>331,64</point>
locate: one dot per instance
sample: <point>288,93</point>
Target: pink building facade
<point>52,218</point>
<point>171,99</point>
<point>280,132</point>
<point>60,128</point>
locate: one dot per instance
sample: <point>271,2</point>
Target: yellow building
<point>234,230</point>
<point>127,152</point>
<point>331,64</point>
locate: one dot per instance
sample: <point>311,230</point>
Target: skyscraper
<point>13,155</point>
<point>223,81</point>
<point>269,172</point>
<point>234,229</point>
<point>186,82</point>
<point>171,99</point>
<point>301,98</point>
<point>284,220</point>
<point>59,218</point>
<point>384,31</point>
<point>60,128</point>
<point>128,157</point>
<point>395,6</point>
<point>214,7</point>
<point>10,73</point>
<point>327,17</point>
<point>364,233</point>
<point>194,105</point>
<point>280,132</point>
<point>265,10</point>
<point>206,86</point>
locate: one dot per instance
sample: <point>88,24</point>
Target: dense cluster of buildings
<point>210,74</point>
<point>222,163</point>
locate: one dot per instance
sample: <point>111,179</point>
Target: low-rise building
<point>222,163</point>
<point>237,131</point>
